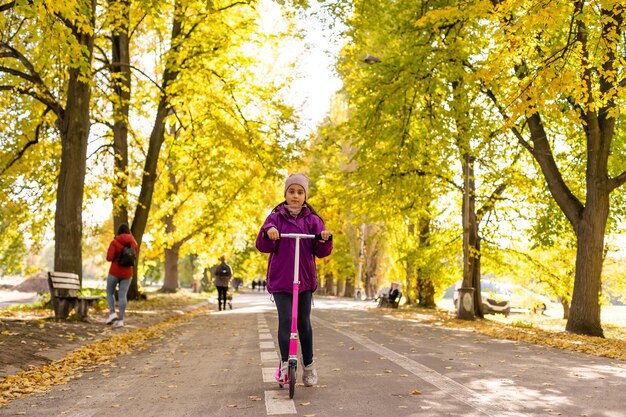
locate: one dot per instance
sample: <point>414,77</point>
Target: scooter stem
<point>293,339</point>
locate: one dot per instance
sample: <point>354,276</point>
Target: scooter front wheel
<point>292,380</point>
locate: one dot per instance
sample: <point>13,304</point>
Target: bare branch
<point>97,150</point>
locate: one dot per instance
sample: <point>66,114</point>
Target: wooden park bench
<point>63,294</point>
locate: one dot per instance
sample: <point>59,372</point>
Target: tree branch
<point>491,201</point>
<point>617,181</point>
<point>30,143</point>
<point>42,93</point>
<point>106,145</point>
<point>22,58</point>
<point>47,101</point>
<point>20,74</point>
<point>7,6</point>
<point>506,117</point>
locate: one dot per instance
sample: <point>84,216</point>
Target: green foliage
<point>41,304</point>
<point>523,324</point>
<point>92,292</point>
<point>152,272</point>
<point>186,271</point>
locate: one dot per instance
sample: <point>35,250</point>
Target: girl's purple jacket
<point>282,251</point>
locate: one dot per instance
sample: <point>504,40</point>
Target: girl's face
<point>295,195</point>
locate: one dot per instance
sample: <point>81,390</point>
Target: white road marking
<point>278,402</point>
<point>269,375</point>
<point>269,357</point>
<point>445,384</point>
<point>267,345</point>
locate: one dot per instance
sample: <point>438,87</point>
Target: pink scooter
<point>293,338</point>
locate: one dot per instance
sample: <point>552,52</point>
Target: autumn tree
<point>411,109</point>
<point>54,78</point>
<point>119,65</point>
<point>556,76</point>
<point>198,32</point>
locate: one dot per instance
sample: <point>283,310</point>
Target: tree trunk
<point>359,278</point>
<point>426,290</point>
<point>140,219</point>
<point>368,280</point>
<point>584,315</point>
<point>471,240</point>
<point>74,131</point>
<point>157,136</point>
<point>120,74</point>
<point>170,282</point>
<point>329,284</point>
<point>348,288</point>
<point>424,281</point>
<point>565,305</point>
<point>408,283</point>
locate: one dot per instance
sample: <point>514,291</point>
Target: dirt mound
<point>35,283</point>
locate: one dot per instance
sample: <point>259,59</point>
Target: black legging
<point>221,295</point>
<point>305,330</point>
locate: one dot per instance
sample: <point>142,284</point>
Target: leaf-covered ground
<point>37,352</point>
<point>529,328</point>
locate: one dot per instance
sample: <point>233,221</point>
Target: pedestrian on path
<point>222,273</point>
<point>122,254</point>
<point>294,215</point>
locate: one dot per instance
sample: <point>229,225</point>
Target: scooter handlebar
<point>299,235</point>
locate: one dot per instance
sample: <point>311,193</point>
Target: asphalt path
<point>369,364</point>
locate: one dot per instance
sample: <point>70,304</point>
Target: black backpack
<point>223,271</point>
<point>128,256</point>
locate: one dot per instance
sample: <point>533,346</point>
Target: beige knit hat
<point>299,179</point>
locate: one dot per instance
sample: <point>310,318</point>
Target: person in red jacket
<point>119,274</point>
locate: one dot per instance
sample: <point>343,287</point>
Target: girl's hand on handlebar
<point>273,234</point>
<point>325,235</point>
